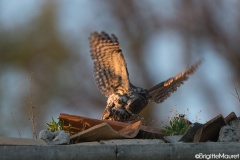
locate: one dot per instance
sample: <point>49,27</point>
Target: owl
<point>125,101</point>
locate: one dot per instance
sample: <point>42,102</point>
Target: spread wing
<point>110,68</point>
<point>163,90</point>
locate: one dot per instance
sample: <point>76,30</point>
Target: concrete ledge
<point>7,141</point>
<point>175,150</point>
<point>62,152</point>
<point>119,149</point>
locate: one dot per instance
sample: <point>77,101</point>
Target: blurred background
<point>44,46</point>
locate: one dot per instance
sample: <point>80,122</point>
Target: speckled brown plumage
<point>110,70</point>
<point>163,90</point>
<point>125,101</point>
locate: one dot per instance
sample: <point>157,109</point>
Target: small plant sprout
<point>178,126</point>
<point>57,126</point>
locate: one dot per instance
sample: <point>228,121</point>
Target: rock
<point>61,138</point>
<point>173,139</point>
<point>56,133</point>
<point>54,138</point>
<point>232,116</point>
<point>210,130</point>
<point>230,133</point>
<point>227,134</point>
<point>190,133</point>
<point>46,135</point>
<point>235,123</point>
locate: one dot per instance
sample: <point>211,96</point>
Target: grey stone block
<point>173,139</point>
<point>229,134</point>
<point>54,138</point>
<point>133,141</point>
<point>119,149</point>
<point>58,152</point>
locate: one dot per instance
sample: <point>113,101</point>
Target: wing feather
<point>163,90</point>
<point>110,68</point>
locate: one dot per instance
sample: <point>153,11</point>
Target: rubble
<point>232,116</point>
<point>61,138</point>
<point>173,139</point>
<point>88,129</point>
<point>210,130</point>
<point>235,123</point>
<point>85,129</point>
<point>54,138</point>
<point>191,132</point>
<point>92,139</point>
<point>230,133</point>
<point>104,131</point>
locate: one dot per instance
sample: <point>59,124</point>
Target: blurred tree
<point>37,48</point>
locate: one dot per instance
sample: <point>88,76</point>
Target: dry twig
<point>236,86</point>
<point>31,111</point>
<point>19,133</point>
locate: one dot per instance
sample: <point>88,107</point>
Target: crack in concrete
<point>116,151</point>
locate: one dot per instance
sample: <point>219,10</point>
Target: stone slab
<point>173,139</point>
<point>7,141</point>
<point>173,151</point>
<point>60,152</point>
<point>133,141</point>
<point>120,149</point>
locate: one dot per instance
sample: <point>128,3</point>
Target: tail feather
<point>163,90</point>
